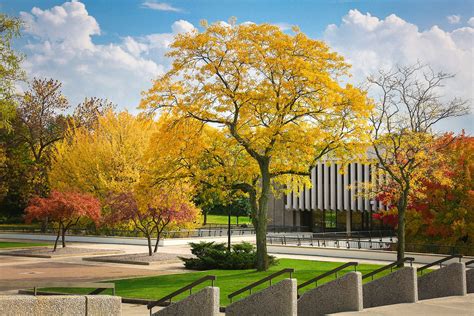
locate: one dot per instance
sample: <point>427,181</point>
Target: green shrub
<point>211,255</point>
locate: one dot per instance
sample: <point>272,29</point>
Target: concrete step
<point>444,306</point>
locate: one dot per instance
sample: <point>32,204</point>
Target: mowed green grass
<point>223,219</point>
<point>228,281</point>
<point>15,244</point>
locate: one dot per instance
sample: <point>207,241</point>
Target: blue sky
<point>114,48</point>
<point>128,17</point>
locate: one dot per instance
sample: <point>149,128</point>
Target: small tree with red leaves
<point>64,209</point>
<point>151,214</point>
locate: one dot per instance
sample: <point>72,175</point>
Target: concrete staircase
<point>403,292</point>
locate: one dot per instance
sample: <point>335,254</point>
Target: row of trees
<point>245,110</point>
<point>108,163</point>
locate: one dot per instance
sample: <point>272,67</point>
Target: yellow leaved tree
<point>274,98</point>
<point>108,158</point>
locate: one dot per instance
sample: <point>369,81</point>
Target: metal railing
<point>287,229</point>
<point>166,300</point>
<point>440,262</point>
<point>268,278</point>
<point>328,273</point>
<point>355,243</point>
<point>370,234</point>
<point>99,287</point>
<point>388,266</point>
<point>200,232</point>
<point>225,226</point>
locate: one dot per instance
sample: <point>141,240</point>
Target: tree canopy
<point>64,209</point>
<point>276,96</point>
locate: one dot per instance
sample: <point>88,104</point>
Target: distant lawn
<point>227,280</point>
<point>14,244</point>
<point>222,219</point>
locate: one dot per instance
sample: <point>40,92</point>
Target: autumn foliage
<point>441,209</point>
<point>64,210</point>
<point>276,99</point>
<point>151,213</point>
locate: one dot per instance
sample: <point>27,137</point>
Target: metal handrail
<point>265,279</point>
<point>469,262</point>
<point>388,266</point>
<point>163,301</point>
<point>99,287</point>
<point>440,262</point>
<point>328,273</point>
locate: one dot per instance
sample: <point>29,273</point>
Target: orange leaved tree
<point>64,210</point>
<point>151,213</point>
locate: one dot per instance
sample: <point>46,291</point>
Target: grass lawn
<point>228,280</point>
<point>14,244</point>
<point>222,219</point>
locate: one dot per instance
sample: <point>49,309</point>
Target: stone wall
<point>202,303</point>
<point>278,299</point>
<point>341,295</point>
<point>470,280</point>
<point>99,305</point>
<point>397,287</point>
<point>447,281</point>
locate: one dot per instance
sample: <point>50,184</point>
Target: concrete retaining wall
<point>279,299</point>
<point>202,303</point>
<point>397,287</point>
<point>60,305</point>
<point>447,281</point>
<point>470,280</point>
<point>341,295</point>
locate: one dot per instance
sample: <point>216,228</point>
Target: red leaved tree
<point>150,213</point>
<point>441,208</point>
<point>64,210</point>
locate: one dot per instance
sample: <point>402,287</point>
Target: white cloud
<point>51,25</point>
<point>370,43</point>
<point>61,46</point>
<point>471,21</point>
<point>160,6</point>
<point>453,19</point>
<point>284,26</point>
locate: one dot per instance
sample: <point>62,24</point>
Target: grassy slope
<point>228,280</point>
<point>222,219</point>
<point>14,244</point>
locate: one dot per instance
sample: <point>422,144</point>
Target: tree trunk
<point>228,231</point>
<point>63,237</point>
<point>261,228</point>
<point>237,220</point>
<point>150,250</point>
<point>57,239</point>
<point>402,206</point>
<point>205,219</point>
<point>158,237</point>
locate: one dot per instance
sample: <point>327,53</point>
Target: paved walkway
<point>445,306</point>
<point>75,269</point>
<point>123,240</point>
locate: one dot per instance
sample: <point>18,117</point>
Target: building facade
<point>336,201</point>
